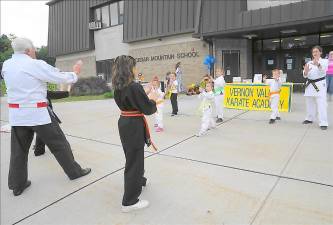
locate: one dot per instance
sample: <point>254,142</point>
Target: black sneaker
<point>83,172</point>
<point>278,118</point>
<point>219,120</point>
<point>307,122</point>
<point>19,191</point>
<point>271,121</point>
<point>39,150</point>
<point>323,127</point>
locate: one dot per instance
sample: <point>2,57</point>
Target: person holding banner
<point>133,128</point>
<point>274,94</point>
<point>219,84</point>
<point>315,88</point>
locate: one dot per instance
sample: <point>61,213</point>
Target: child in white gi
<point>274,93</point>
<point>206,109</point>
<point>156,87</point>
<point>219,84</point>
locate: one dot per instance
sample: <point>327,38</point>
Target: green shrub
<point>109,94</point>
<point>3,88</point>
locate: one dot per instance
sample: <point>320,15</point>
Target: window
<point>105,16</point>
<point>121,12</point>
<point>111,14</point>
<point>257,4</point>
<point>114,14</point>
<point>271,44</point>
<point>299,42</point>
<point>326,39</point>
<point>98,15</point>
<point>104,69</point>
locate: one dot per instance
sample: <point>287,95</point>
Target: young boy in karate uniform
<point>274,93</point>
<point>206,108</point>
<point>219,84</point>
<point>156,87</point>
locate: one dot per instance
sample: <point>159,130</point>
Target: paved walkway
<point>244,172</point>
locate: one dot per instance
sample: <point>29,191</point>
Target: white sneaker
<point>141,204</point>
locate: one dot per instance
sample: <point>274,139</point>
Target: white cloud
<point>25,19</point>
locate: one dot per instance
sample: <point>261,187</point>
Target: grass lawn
<point>81,98</point>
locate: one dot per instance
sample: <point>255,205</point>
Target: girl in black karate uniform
<point>133,130</point>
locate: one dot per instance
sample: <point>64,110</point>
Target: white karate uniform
<point>207,120</point>
<point>159,105</point>
<point>26,81</point>
<point>219,97</point>
<point>274,86</point>
<point>316,100</point>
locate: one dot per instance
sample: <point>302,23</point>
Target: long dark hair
<point>177,65</point>
<point>122,71</point>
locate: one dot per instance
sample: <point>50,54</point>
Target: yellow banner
<point>255,97</point>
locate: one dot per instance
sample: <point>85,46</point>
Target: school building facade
<point>245,36</point>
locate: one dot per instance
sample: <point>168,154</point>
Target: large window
<point>104,69</point>
<point>105,16</point>
<point>114,14</point>
<point>110,14</point>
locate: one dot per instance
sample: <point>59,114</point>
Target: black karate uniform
<point>39,144</point>
<point>133,138</point>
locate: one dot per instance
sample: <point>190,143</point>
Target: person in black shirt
<point>133,130</point>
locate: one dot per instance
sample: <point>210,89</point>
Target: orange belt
<point>139,114</point>
<point>274,92</point>
<point>33,105</point>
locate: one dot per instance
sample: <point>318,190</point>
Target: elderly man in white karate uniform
<point>26,81</point>
<point>315,88</point>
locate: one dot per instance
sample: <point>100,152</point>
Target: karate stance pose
<point>26,81</point>
<point>206,108</point>
<point>39,147</point>
<point>315,88</point>
<point>219,84</point>
<point>134,103</point>
<point>274,94</point>
<point>156,87</point>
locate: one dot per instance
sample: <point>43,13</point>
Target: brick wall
<point>165,57</point>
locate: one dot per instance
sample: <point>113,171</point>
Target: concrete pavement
<point>244,172</point>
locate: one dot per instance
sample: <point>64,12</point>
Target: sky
<point>25,19</point>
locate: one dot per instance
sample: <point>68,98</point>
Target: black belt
<point>313,82</point>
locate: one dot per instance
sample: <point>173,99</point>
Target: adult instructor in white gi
<point>26,81</point>
<point>315,88</point>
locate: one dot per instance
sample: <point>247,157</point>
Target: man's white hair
<point>20,45</point>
